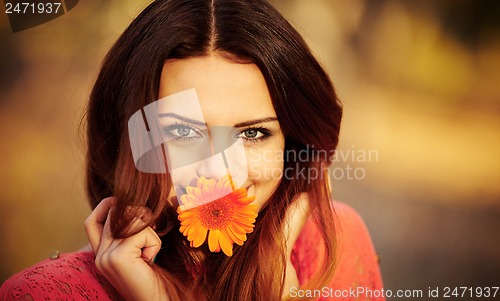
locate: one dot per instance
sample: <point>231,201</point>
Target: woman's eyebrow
<point>255,121</point>
<point>185,119</point>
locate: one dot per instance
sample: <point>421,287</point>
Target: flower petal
<point>242,210</point>
<point>244,218</point>
<point>201,182</point>
<point>236,236</point>
<point>193,230</point>
<point>183,199</point>
<point>242,228</point>
<point>191,200</point>
<point>227,186</point>
<point>183,229</point>
<point>199,237</point>
<point>209,185</point>
<point>213,241</point>
<point>189,190</point>
<point>226,243</point>
<point>218,209</point>
<point>186,214</point>
<point>240,192</point>
<point>246,200</point>
<point>220,189</point>
<point>197,193</point>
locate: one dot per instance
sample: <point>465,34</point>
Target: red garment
<point>74,276</point>
<point>357,276</point>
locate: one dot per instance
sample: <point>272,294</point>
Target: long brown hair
<point>307,109</point>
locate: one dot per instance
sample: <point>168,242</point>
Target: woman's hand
<point>126,263</point>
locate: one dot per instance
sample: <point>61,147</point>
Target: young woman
<point>210,130</point>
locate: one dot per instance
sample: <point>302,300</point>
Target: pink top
<point>73,276</point>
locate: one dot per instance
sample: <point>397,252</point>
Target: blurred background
<point>420,143</point>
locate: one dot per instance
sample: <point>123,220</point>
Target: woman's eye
<point>254,135</point>
<point>182,132</point>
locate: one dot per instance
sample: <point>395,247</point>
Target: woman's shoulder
<point>353,238</point>
<point>357,261</point>
<point>71,276</point>
<point>349,226</point>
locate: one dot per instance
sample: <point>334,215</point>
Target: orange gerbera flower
<point>221,210</point>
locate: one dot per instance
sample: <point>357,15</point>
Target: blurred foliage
<point>419,82</point>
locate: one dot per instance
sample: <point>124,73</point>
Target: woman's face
<point>220,107</point>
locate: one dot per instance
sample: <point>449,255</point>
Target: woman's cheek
<point>264,165</point>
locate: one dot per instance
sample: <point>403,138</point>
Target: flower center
<point>217,214</point>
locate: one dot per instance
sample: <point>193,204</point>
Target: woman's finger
<point>152,245</point>
<point>94,224</point>
<point>146,242</point>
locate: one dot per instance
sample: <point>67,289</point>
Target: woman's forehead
<point>226,91</point>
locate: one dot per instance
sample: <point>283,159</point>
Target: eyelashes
<point>185,132</point>
<point>254,134</point>
<point>182,132</point>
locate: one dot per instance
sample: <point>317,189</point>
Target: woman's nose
<point>222,140</point>
<point>212,167</point>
